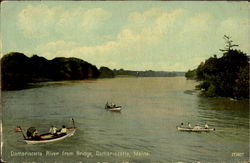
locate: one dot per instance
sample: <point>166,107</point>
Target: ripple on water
<point>153,108</point>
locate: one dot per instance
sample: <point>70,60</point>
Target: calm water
<point>152,107</point>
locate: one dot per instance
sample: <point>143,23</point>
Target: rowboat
<point>48,137</point>
<point>34,138</point>
<point>113,107</point>
<point>117,108</point>
<point>194,129</point>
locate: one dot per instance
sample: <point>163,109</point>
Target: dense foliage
<point>191,74</point>
<point>105,72</point>
<point>17,70</point>
<point>227,76</point>
<point>148,73</point>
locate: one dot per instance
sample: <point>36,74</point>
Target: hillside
<point>17,70</point>
<point>149,73</point>
<point>226,76</point>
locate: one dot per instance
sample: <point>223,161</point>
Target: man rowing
<point>53,130</point>
<point>32,133</point>
<point>189,125</point>
<point>63,130</point>
<point>197,127</point>
<point>206,125</point>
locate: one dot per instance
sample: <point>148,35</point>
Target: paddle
<point>73,123</point>
<point>22,132</point>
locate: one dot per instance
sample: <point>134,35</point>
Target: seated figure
<point>63,130</point>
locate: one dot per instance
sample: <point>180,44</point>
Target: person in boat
<point>197,127</point>
<point>36,136</point>
<point>189,125</point>
<point>32,133</point>
<point>206,125</point>
<point>53,130</point>
<point>63,130</point>
<point>108,105</point>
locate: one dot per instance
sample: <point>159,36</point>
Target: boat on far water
<point>195,129</point>
<point>113,107</point>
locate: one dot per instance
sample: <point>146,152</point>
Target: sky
<point>133,35</point>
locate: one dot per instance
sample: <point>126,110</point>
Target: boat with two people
<point>196,128</point>
<point>33,137</point>
<point>113,107</point>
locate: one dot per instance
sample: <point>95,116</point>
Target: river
<point>144,132</point>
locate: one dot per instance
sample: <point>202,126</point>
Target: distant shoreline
<point>19,71</point>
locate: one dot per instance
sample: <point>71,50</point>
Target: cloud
<point>238,30</point>
<point>155,21</point>
<point>157,38</point>
<point>140,45</point>
<point>56,48</point>
<point>93,18</point>
<point>79,22</point>
<point>38,21</point>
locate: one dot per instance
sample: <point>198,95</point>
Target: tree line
<point>227,76</point>
<point>17,70</point>
<point>148,73</point>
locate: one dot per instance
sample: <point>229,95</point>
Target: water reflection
<point>224,111</point>
<point>231,120</point>
<point>152,107</point>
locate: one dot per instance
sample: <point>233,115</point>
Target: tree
<point>191,74</point>
<point>227,76</point>
<point>229,44</point>
<point>105,72</point>
<point>17,70</point>
<point>241,88</point>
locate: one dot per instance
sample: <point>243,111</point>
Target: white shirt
<point>63,130</point>
<point>197,127</point>
<point>53,130</point>
<point>34,133</point>
<point>206,126</point>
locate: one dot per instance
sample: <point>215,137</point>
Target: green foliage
<point>227,76</point>
<point>211,91</point>
<point>242,83</point>
<point>18,70</point>
<point>15,71</point>
<point>191,74</point>
<point>105,72</point>
<point>148,73</point>
<point>203,85</point>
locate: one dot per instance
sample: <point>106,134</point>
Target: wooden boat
<point>195,129</point>
<point>113,107</point>
<point>48,137</point>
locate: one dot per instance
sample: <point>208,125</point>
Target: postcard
<point>124,82</point>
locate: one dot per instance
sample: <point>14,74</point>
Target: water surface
<point>144,132</point>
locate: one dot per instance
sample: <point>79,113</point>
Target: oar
<point>22,133</point>
<point>73,123</point>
